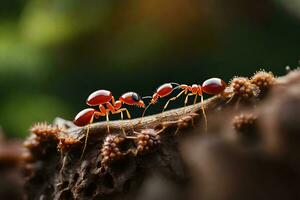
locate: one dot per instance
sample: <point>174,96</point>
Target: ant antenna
<point>147,97</point>
<point>146,110</point>
<point>177,84</point>
<point>175,88</point>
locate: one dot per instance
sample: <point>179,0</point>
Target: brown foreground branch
<point>170,156</point>
<point>150,122</point>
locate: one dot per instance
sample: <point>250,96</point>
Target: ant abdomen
<point>214,86</point>
<point>99,97</point>
<point>84,117</point>
<point>164,89</point>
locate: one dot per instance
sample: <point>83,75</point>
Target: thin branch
<point>149,122</point>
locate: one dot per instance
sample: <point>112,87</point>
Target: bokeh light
<point>53,54</point>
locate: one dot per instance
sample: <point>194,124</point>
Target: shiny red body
<point>84,117</point>
<point>131,98</point>
<point>164,90</point>
<point>99,97</point>
<point>214,86</point>
<point>210,86</point>
<point>106,103</point>
<point>195,89</point>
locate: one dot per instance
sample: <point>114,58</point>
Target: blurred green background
<point>54,53</point>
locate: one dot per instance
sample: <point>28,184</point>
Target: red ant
<point>211,86</point>
<point>102,98</point>
<point>106,102</point>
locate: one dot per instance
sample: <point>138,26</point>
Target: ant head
<point>132,98</point>
<point>135,97</point>
<point>138,100</point>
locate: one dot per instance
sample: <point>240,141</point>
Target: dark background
<point>54,53</point>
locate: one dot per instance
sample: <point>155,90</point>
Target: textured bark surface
<point>250,150</point>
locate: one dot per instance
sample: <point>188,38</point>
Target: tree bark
<point>171,156</point>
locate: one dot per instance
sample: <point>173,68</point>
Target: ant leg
<point>122,123</point>
<point>122,117</point>
<point>105,112</point>
<point>187,98</point>
<point>129,117</point>
<point>86,137</point>
<point>173,98</point>
<point>127,112</point>
<point>107,121</point>
<point>144,112</point>
<point>203,111</point>
<point>195,99</point>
